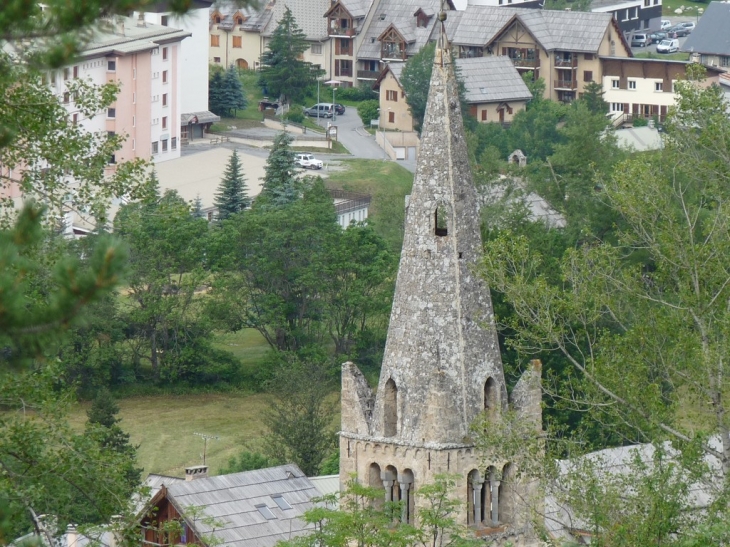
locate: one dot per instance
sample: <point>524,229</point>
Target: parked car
<point>658,36</point>
<point>640,40</point>
<point>670,45</point>
<point>307,161</point>
<point>689,25</point>
<point>666,24</point>
<point>320,110</point>
<point>678,31</point>
<point>340,109</point>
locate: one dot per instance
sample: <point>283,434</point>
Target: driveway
<point>351,134</point>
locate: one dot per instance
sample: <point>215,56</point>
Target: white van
<point>668,45</point>
<point>666,23</point>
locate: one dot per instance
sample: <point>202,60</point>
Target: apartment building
<point>346,20</point>
<point>631,15</point>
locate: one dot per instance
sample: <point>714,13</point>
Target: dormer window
<point>422,18</point>
<point>239,20</point>
<point>216,19</point>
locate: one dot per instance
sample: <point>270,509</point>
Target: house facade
<point>632,15</point>
<point>395,114</point>
<point>644,88</point>
<point>709,44</point>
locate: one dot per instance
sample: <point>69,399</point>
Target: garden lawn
<point>387,183</point>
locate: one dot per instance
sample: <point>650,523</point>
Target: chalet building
<point>631,15</point>
<point>709,43</point>
<point>495,92</point>
<point>644,88</point>
<point>239,36</point>
<point>532,4</point>
<point>260,507</point>
<point>561,47</point>
<point>345,23</point>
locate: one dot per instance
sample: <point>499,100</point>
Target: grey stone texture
<point>442,364</point>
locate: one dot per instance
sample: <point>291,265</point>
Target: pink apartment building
<point>145,60</point>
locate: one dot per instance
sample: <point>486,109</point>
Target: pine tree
<point>232,197</point>
<point>215,93</point>
<point>281,186</point>
<point>283,73</point>
<point>198,207</point>
<point>233,97</point>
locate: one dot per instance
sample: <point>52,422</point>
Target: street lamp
<point>334,84</point>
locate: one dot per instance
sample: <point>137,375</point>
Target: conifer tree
<point>281,186</point>
<point>284,73</point>
<point>233,97</point>
<point>198,207</point>
<point>215,93</point>
<point>232,197</point>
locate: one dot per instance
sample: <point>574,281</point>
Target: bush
<point>295,114</point>
<point>363,92</point>
<point>640,122</point>
<point>368,110</point>
<point>246,461</point>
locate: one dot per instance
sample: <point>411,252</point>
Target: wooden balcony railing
<point>570,62</point>
<point>368,74</point>
<point>566,84</point>
<point>337,31</point>
<point>526,63</point>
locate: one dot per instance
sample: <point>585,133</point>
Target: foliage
<point>245,461</point>
<point>300,418</point>
<point>593,98</point>
<point>361,92</point>
<point>415,80</point>
<point>283,72</point>
<point>368,110</point>
<point>215,92</point>
<point>232,195</point>
<point>295,114</point>
<point>225,92</point>
<point>280,184</point>
<point>536,87</point>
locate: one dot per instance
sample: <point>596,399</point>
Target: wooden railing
<point>566,84</point>
<point>571,62</point>
<point>368,74</point>
<point>527,63</point>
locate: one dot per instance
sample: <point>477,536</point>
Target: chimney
<point>196,472</point>
<point>71,536</point>
<point>140,20</point>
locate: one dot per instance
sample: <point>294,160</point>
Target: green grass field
<point>690,8</point>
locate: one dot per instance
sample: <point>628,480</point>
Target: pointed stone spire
<point>442,345</point>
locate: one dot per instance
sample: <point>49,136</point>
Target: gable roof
<point>562,30</point>
<point>233,499</point>
<point>357,8</point>
<point>307,13</point>
<point>400,14</point>
<point>491,80</point>
<point>228,9</point>
<point>712,34</point>
<point>390,68</point>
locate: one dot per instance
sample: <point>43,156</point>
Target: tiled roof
<point>228,9</point>
<point>568,30</point>
<point>307,13</point>
<point>400,13</point>
<point>491,80</point>
<point>712,34</point>
<point>234,500</point>
<point>357,8</point>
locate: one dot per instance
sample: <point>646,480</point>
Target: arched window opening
<point>405,483</point>
<point>491,396</point>
<point>506,494</point>
<point>491,497</point>
<point>474,498</point>
<point>375,480</point>
<point>390,410</point>
<point>391,487</point>
<point>441,221</point>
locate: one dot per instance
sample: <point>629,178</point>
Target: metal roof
<point>122,35</point>
<point>491,80</point>
<point>232,500</point>
<point>712,33</point>
<point>401,14</point>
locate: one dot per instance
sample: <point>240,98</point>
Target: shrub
<point>295,114</point>
<point>368,110</point>
<point>363,92</point>
<point>640,122</point>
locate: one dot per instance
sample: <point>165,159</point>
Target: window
<point>113,159</point>
<point>53,78</point>
<point>134,121</point>
<point>215,40</point>
<point>155,147</point>
<point>110,134</point>
<point>164,76</point>
<point>265,512</point>
<point>632,84</point>
<point>164,122</point>
<point>111,113</point>
<point>66,73</point>
<point>391,95</point>
<point>390,409</point>
<point>647,3</point>
<point>173,143</point>
<point>163,20</point>
<point>164,54</point>
<point>658,86</point>
<point>617,107</point>
<point>76,72</point>
<point>441,221</point>
<point>281,502</point>
<point>239,20</point>
<point>391,117</point>
<point>237,41</point>
<point>484,115</point>
<point>216,59</point>
<point>588,56</point>
<point>217,19</point>
<point>615,84</point>
<point>111,66</point>
<point>587,75</point>
<point>66,97</point>
<point>164,99</point>
<point>134,97</point>
<point>725,61</point>
<point>134,144</point>
<point>76,119</point>
<point>164,145</point>
<point>316,49</point>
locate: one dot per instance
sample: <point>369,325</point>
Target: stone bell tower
<point>442,365</point>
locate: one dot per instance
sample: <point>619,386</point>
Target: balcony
<point>368,74</point>
<point>525,63</point>
<point>566,62</point>
<point>345,32</point>
<point>566,84</point>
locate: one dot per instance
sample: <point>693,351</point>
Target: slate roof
<point>712,33</point>
<point>307,13</point>
<point>232,500</point>
<point>491,80</point>
<point>562,30</point>
<point>228,9</point>
<point>357,8</point>
<point>401,14</point>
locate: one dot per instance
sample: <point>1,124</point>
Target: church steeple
<point>442,347</point>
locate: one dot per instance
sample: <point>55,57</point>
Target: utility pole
<point>205,438</point>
